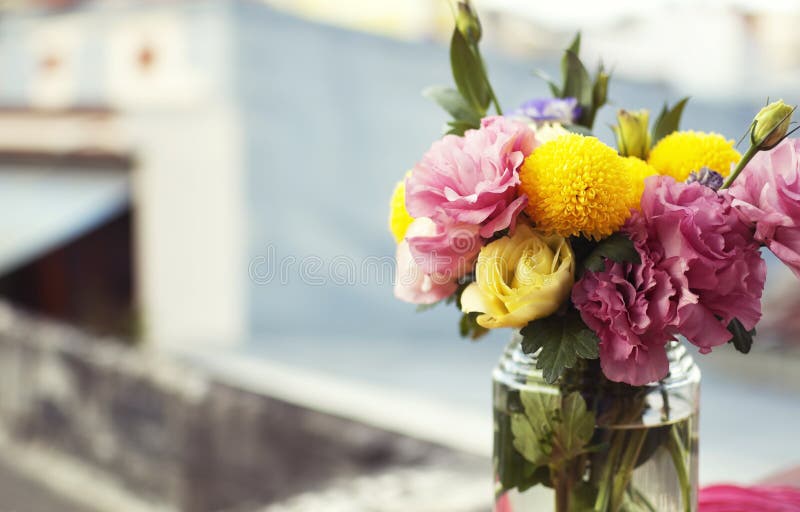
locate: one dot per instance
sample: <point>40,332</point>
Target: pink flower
<point>731,498</point>
<point>694,235</point>
<point>445,249</point>
<point>412,283</point>
<point>767,194</point>
<point>630,307</point>
<point>473,179</point>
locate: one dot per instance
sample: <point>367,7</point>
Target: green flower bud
<point>771,124</point>
<point>467,21</point>
<point>633,137</point>
<point>600,89</point>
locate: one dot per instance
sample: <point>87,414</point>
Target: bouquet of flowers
<point>599,257</point>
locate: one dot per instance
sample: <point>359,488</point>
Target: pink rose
<point>473,179</point>
<point>767,195</point>
<point>630,307</point>
<point>412,283</point>
<point>694,235</point>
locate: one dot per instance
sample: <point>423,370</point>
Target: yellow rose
<point>520,278</point>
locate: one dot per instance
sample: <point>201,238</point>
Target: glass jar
<point>585,443</point>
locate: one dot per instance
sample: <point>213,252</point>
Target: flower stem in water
<point>678,453</point>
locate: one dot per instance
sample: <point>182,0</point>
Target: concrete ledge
<point>402,490</point>
<point>175,437</point>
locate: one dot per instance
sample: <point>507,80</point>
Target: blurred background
<point>209,181</point>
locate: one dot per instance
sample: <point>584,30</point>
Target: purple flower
<point>767,196</point>
<point>707,177</point>
<point>554,110</point>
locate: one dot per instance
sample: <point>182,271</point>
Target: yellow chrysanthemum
<point>576,185</point>
<point>680,153</point>
<point>399,219</point>
<point>638,170</point>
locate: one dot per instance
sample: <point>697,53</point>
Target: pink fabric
<point>732,498</point>
<point>767,195</point>
<point>503,504</point>
<point>473,179</point>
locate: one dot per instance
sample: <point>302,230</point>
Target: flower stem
<point>751,152</point>
<point>638,497</point>
<point>607,476</point>
<point>678,453</point>
<point>625,471</point>
<point>563,491</point>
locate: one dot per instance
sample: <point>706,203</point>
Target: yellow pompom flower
<point>638,170</point>
<point>680,153</point>
<point>576,185</point>
<point>399,219</point>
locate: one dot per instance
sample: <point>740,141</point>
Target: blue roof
<point>42,208</point>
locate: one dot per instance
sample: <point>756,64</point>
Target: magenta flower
<point>631,308</point>
<point>694,235</point>
<point>473,179</point>
<point>767,195</point>
<point>700,268</point>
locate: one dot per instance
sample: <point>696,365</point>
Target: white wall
<point>164,70</point>
<point>189,225</point>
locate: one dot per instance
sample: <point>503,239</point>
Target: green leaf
<point>468,327</point>
<point>554,88</point>
<point>526,440</point>
<point>574,47</point>
<point>538,475</point>
<point>533,431</point>
<point>554,429</point>
<point>742,338</point>
<point>577,425</point>
<point>459,127</point>
<point>577,83</point>
<point>455,104</point>
<point>562,339</point>
<point>576,128</point>
<point>668,120</point>
<point>426,307</point>
<point>584,495</point>
<point>599,95</point>
<point>617,247</point>
<point>512,469</point>
<point>468,74</point>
